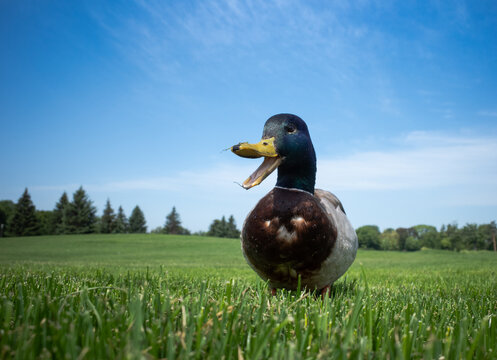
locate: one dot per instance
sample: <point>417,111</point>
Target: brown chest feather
<point>287,228</point>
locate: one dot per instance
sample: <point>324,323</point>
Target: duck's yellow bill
<point>267,167</point>
<point>265,148</point>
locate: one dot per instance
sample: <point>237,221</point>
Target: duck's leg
<point>273,291</point>
<point>326,291</point>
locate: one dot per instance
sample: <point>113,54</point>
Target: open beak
<point>264,148</point>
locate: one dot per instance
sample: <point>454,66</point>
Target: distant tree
<point>445,243</point>
<point>7,209</point>
<point>404,233</point>
<point>137,223</point>
<point>59,221</point>
<point>121,222</point>
<point>389,240</point>
<point>233,232</point>
<point>80,214</point>
<point>369,236</point>
<point>428,236</point>
<point>413,243</point>
<point>469,236</point>
<point>45,220</point>
<point>3,221</point>
<point>223,228</point>
<point>173,224</point>
<point>97,226</point>
<point>218,228</point>
<point>484,237</point>
<point>452,236</point>
<point>25,222</point>
<point>108,219</point>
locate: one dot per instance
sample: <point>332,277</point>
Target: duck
<point>296,235</point>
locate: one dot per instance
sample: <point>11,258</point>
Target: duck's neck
<point>301,177</point>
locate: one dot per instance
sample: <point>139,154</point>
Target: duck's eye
<point>290,129</point>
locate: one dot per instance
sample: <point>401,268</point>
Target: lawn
<point>159,296</point>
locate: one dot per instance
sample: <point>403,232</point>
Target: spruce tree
<point>218,228</point>
<point>223,228</point>
<point>121,222</point>
<point>108,219</point>
<point>232,231</point>
<point>214,228</point>
<point>79,214</point>
<point>25,222</point>
<point>137,223</point>
<point>45,221</point>
<point>7,210</point>
<point>59,222</point>
<point>173,224</point>
<point>3,221</point>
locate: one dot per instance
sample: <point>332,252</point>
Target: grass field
<point>159,296</point>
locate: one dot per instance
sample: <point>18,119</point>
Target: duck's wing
<point>345,249</point>
<point>327,197</point>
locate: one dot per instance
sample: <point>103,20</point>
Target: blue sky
<point>136,100</point>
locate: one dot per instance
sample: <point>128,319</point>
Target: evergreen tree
<point>3,221</point>
<point>217,228</point>
<point>137,223</point>
<point>223,228</point>
<point>108,219</point>
<point>7,210</point>
<point>232,231</point>
<point>121,222</point>
<point>80,214</point>
<point>25,222</point>
<point>59,223</point>
<point>45,220</point>
<point>173,224</point>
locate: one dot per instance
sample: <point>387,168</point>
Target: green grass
<point>122,253</point>
<point>158,296</point>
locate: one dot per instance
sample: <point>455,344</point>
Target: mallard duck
<point>295,230</point>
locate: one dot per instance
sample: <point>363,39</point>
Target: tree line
<point>218,227</point>
<point>449,237</point>
<point>79,216</point>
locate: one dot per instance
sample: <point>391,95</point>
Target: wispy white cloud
<point>487,113</point>
<point>175,42</point>
<point>165,38</point>
<point>421,160</point>
<point>220,176</point>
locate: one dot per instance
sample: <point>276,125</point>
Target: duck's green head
<point>287,146</point>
